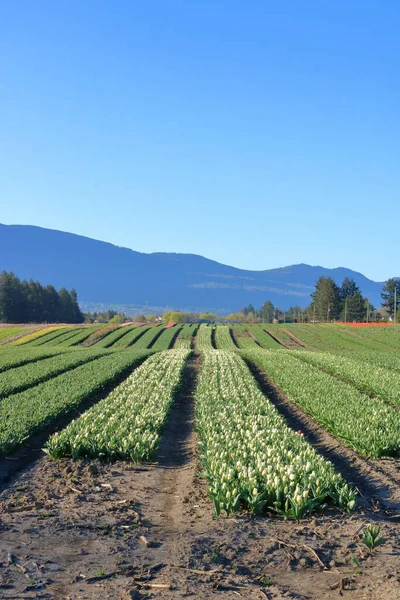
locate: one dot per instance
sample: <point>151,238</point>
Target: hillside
<point>110,276</point>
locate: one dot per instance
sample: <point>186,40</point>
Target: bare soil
<point>91,530</point>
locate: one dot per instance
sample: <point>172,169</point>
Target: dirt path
<point>89,530</point>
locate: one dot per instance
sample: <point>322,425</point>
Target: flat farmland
<point>200,461</point>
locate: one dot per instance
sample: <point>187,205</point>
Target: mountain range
<point>108,276</point>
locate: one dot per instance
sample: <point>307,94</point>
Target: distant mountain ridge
<point>111,276</point>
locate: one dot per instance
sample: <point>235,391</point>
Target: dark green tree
<point>77,313</point>
<point>326,304</point>
<point>348,288</point>
<point>388,294</point>
<point>248,309</point>
<point>52,308</point>
<point>267,312</point>
<point>12,299</point>
<point>354,308</point>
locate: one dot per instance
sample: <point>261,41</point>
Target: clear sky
<point>259,133</point>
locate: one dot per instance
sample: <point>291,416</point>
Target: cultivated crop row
<point>204,337</point>
<point>148,338</point>
<point>20,378</point>
<point>243,338</point>
<point>369,425</point>
<point>113,337</point>
<point>79,337</point>
<point>309,335</point>
<point>61,339</point>
<point>223,338</point>
<point>10,332</point>
<point>388,336</point>
<point>250,457</point>
<point>185,337</point>
<point>130,338</point>
<point>339,337</point>
<point>126,424</point>
<point>386,360</point>
<point>38,333</point>
<point>264,338</point>
<point>369,378</point>
<point>35,409</point>
<point>166,338</point>
<point>47,337</point>
<point>11,357</point>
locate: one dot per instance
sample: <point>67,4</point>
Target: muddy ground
<point>98,531</point>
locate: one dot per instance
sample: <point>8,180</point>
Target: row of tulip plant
<point>367,424</point>
<point>126,424</point>
<point>39,407</point>
<point>204,337</point>
<point>250,457</point>
<point>373,379</point>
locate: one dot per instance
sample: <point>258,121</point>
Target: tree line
<point>346,303</point>
<point>330,302</point>
<point>31,302</point>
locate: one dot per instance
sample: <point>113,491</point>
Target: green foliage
<point>117,320</point>
<point>113,336</point>
<point>326,300</point>
<point>79,336</point>
<point>166,338</point>
<point>11,357</point>
<point>370,536</point>
<point>369,425</point>
<point>126,424</point>
<point>223,338</point>
<point>20,378</point>
<point>130,337</point>
<point>11,332</point>
<point>354,308</point>
<point>264,338</point>
<point>45,338</point>
<point>35,409</point>
<point>370,378</point>
<point>174,316</point>
<point>204,337</point>
<point>185,336</point>
<point>388,294</point>
<point>30,302</point>
<point>249,455</point>
<point>148,338</point>
<point>243,338</point>
<point>267,312</point>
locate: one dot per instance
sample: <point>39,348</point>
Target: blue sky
<point>259,134</point>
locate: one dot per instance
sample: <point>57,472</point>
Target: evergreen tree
<point>67,308</point>
<point>348,288</point>
<point>12,299</point>
<point>326,303</point>
<point>30,302</point>
<point>354,308</point>
<point>77,313</point>
<point>388,294</point>
<point>267,312</point>
<point>51,309</point>
<point>248,309</point>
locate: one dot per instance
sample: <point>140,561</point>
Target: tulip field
<point>249,455</point>
<point>106,392</point>
<point>127,423</point>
